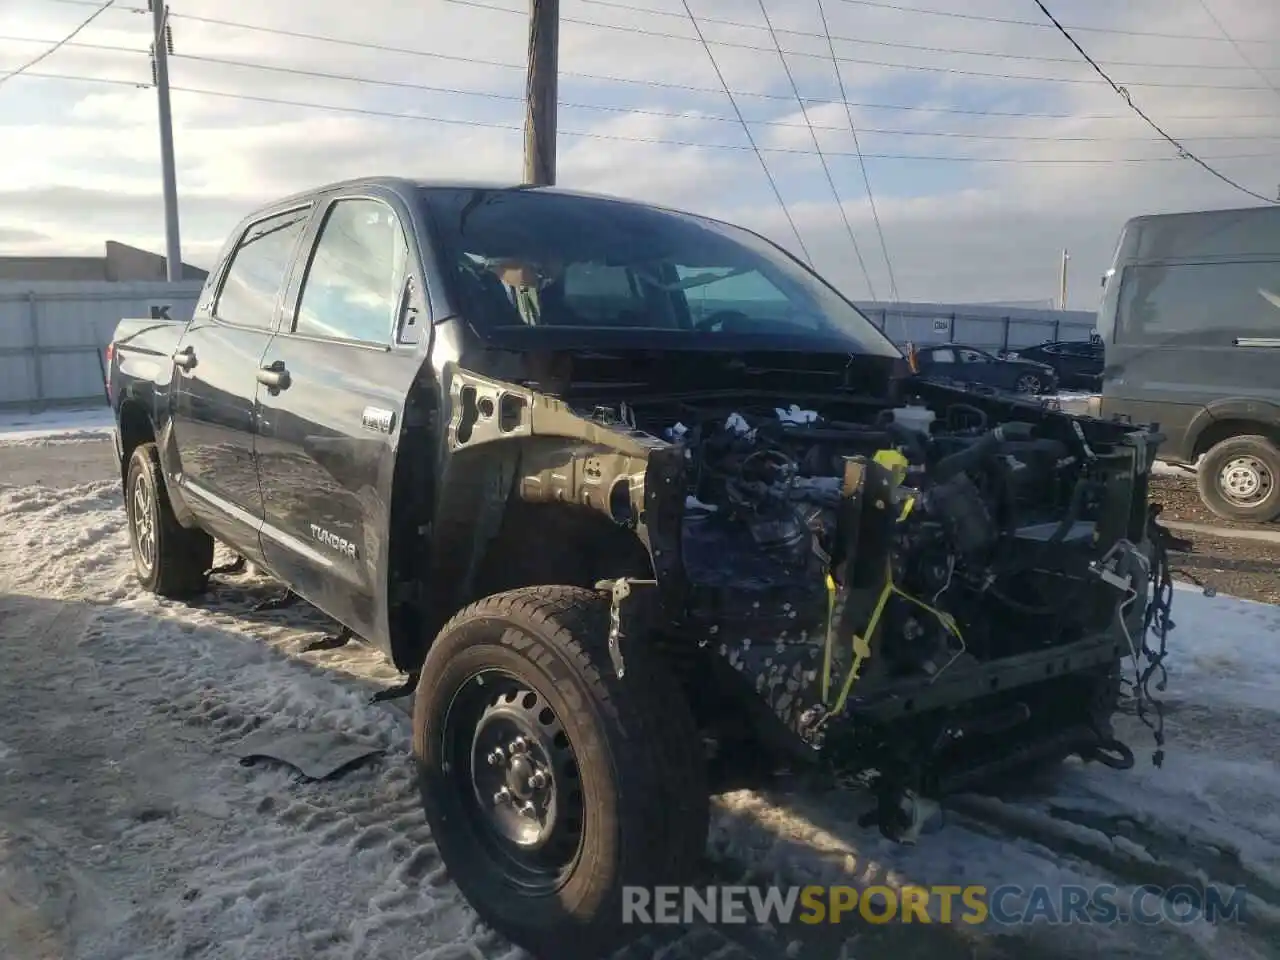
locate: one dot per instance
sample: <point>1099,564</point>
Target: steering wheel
<point>720,320</point>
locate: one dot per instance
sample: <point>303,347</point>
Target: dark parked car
<point>963,364</point>
<point>1077,363</point>
<point>1191,318</point>
<point>607,528</point>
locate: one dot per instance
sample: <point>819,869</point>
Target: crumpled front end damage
<point>934,592</point>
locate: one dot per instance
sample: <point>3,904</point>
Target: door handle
<point>185,358</point>
<point>275,376</point>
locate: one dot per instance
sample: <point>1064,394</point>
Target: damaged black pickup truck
<point>628,490</point>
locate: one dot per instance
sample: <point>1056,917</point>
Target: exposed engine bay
<point>941,569</point>
<point>979,510</point>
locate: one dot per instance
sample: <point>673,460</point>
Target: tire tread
<point>183,555</point>
<point>1206,479</point>
<point>646,716</point>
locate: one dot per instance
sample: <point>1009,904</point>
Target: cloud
<point>973,204</point>
<point>20,235</point>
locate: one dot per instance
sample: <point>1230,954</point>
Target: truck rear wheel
<point>170,559</point>
<point>1239,479</point>
<point>549,783</point>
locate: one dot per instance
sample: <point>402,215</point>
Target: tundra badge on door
<point>376,418</point>
<point>333,541</point>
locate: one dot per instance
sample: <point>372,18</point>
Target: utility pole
<point>1062,282</point>
<point>161,47</point>
<point>542,93</point>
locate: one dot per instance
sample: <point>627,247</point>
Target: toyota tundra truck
<point>625,490</point>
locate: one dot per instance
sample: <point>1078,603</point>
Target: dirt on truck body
<point>621,488</point>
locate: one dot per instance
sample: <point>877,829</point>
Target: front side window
<point>532,259</point>
<point>355,282</point>
<point>257,270</point>
<point>942,356</point>
<point>973,356</point>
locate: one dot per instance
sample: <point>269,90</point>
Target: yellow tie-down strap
<point>897,465</point>
<point>862,642</point>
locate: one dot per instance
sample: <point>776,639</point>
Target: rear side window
<point>355,283</point>
<point>1199,303</point>
<point>257,270</point>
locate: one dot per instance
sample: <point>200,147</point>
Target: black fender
<point>506,448</point>
<point>1254,410</point>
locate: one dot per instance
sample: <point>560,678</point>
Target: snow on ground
<point>212,859</point>
<point>171,849</point>
<point>1172,469</point>
<point>1074,396</point>
<point>55,426</point>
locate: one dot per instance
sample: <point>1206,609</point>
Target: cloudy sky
<point>989,144</point>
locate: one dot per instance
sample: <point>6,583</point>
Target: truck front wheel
<point>170,559</point>
<point>549,783</point>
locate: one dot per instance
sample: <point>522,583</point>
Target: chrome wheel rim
<point>144,528</point>
<point>1245,481</point>
<point>1028,383</point>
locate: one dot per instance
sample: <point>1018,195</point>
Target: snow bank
<point>55,426</point>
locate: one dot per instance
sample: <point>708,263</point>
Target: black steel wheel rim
<point>512,770</point>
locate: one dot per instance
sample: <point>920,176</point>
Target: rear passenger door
<point>336,377</point>
<point>213,424</point>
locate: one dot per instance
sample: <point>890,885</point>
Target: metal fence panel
<point>987,327</point>
<point>17,380</point>
<point>52,335</point>
<point>71,376</point>
<point>15,323</point>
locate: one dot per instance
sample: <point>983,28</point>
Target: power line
<point>649,11</point>
<point>898,45</point>
<point>609,108</point>
<point>622,138</point>
<point>957,71</point>
<point>102,8</point>
<point>1239,49</point>
<point>1182,151</point>
<point>881,4</point>
<point>659,84</point>
<point>862,163</point>
<point>750,139</point>
<point>644,111</point>
<point>826,167</point>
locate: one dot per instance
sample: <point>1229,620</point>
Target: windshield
<point>537,259</point>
